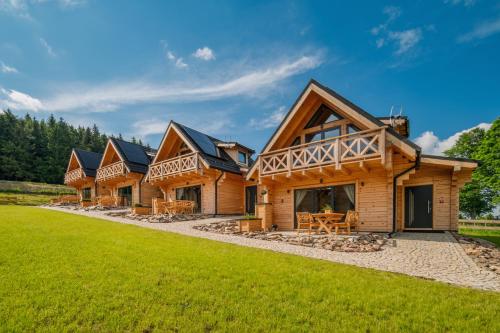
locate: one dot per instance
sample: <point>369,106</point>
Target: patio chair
<point>305,221</point>
<point>350,222</point>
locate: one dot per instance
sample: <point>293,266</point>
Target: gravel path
<point>436,256</point>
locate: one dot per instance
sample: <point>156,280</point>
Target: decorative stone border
<point>354,243</point>
<point>485,254</point>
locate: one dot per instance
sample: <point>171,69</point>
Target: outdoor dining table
<point>327,221</point>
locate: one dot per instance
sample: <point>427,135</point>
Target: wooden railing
<point>360,146</point>
<point>480,224</point>
<point>110,171</point>
<point>73,175</point>
<point>173,166</point>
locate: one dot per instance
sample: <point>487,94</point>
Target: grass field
<point>63,272</point>
<point>29,193</point>
<point>490,235</point>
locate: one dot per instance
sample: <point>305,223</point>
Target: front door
<point>250,199</point>
<point>418,207</point>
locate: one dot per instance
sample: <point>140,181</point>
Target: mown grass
<point>25,199</point>
<point>63,272</point>
<point>7,186</point>
<point>490,235</point>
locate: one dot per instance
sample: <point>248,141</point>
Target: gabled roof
<point>136,157</point>
<point>89,161</point>
<point>346,106</point>
<point>374,120</point>
<point>208,148</point>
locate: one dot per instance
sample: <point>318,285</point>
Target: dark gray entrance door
<point>250,199</point>
<point>418,207</point>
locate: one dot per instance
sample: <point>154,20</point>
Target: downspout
<point>217,191</point>
<point>394,191</point>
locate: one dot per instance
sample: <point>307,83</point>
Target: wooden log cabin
<point>81,173</point>
<point>329,152</point>
<point>191,165</point>
<point>121,174</point>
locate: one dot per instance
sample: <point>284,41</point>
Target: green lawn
<point>490,235</point>
<point>63,272</point>
<point>26,199</point>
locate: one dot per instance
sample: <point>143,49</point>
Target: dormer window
<point>242,157</point>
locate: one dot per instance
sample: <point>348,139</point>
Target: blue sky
<point>233,69</point>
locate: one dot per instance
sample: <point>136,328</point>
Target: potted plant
<point>326,208</point>
<point>140,209</point>
<point>250,223</point>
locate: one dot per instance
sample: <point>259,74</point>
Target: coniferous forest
<point>39,150</point>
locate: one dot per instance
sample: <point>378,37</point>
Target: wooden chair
<point>305,221</point>
<point>350,222</point>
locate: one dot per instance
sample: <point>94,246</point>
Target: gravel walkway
<point>435,256</point>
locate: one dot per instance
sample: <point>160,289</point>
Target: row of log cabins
<point>327,152</point>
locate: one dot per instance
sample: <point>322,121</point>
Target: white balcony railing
<point>111,171</point>
<point>73,176</point>
<point>173,166</point>
<point>364,145</point>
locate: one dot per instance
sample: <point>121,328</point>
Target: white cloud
<point>110,96</point>
<point>481,31</point>
<point>48,48</point>
<point>15,100</point>
<point>405,40</point>
<point>465,3</point>
<point>179,63</point>
<point>144,128</point>
<point>170,56</point>
<point>7,69</point>
<point>433,145</point>
<point>271,120</point>
<point>204,53</point>
<point>21,8</point>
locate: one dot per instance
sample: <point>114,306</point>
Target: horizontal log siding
<point>372,199</point>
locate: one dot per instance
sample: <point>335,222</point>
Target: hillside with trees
<point>38,150</point>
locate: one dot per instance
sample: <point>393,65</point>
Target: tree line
<point>39,150</point>
<point>479,198</point>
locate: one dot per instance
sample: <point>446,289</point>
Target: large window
<point>86,194</point>
<point>322,116</point>
<point>313,200</point>
<point>322,135</point>
<point>191,193</point>
<point>125,194</point>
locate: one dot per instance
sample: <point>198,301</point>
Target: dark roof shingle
<point>89,160</point>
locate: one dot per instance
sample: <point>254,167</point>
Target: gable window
<point>322,135</point>
<point>242,157</point>
<point>352,129</point>
<point>295,142</point>
<point>322,116</point>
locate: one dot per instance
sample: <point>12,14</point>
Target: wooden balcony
<point>357,147</point>
<point>73,176</point>
<point>174,166</point>
<point>111,171</point>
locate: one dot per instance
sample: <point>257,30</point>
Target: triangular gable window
<point>322,116</point>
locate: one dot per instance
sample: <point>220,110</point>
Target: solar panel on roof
<point>202,140</point>
<point>133,153</point>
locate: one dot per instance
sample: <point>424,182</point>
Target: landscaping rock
<point>355,243</point>
<point>485,254</point>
